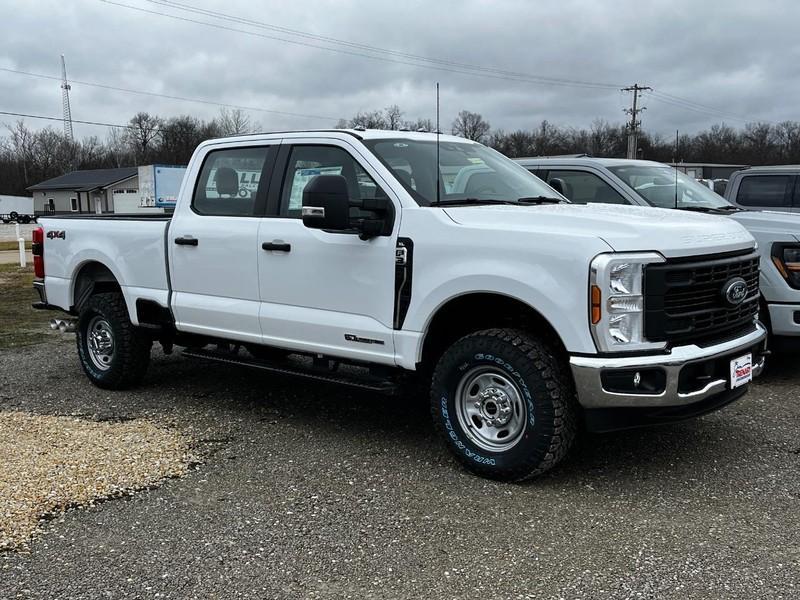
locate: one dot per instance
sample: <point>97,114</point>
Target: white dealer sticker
<point>741,370</point>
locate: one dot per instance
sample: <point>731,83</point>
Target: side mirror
<point>326,203</point>
<point>558,185</point>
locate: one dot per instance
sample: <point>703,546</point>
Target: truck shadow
<point>368,421</point>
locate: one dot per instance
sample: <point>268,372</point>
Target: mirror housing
<point>558,185</point>
<point>326,203</point>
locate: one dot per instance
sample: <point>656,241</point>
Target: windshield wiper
<point>539,200</point>
<point>702,209</point>
<point>469,201</point>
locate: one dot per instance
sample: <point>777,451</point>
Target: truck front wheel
<point>113,353</point>
<point>505,404</point>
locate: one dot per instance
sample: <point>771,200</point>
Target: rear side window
<point>764,190</point>
<point>582,187</point>
<point>229,182</point>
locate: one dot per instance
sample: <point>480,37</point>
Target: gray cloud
<point>739,58</point>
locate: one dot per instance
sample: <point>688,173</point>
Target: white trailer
<point>159,185</point>
<point>18,209</point>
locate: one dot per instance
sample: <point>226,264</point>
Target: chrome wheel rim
<point>100,343</point>
<point>490,409</point>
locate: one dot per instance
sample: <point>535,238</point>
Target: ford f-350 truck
<point>396,253</point>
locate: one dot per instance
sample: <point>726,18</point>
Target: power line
<point>29,116</point>
<point>396,56</point>
<point>369,48</point>
<point>475,70</point>
<point>699,108</point>
<point>168,96</point>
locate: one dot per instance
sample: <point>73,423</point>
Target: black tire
<point>13,215</point>
<point>129,353</point>
<point>24,219</point>
<point>545,409</point>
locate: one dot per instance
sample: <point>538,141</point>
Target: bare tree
<point>234,122</point>
<point>470,125</point>
<point>393,117</point>
<point>118,150</point>
<point>143,132</point>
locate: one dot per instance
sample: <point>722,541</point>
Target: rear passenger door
<point>765,192</point>
<point>213,243</point>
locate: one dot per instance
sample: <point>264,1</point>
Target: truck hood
<point>625,228</point>
<point>778,224</point>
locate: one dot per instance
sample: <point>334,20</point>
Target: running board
<point>369,382</point>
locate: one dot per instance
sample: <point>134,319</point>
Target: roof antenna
<point>675,160</point>
<point>438,171</point>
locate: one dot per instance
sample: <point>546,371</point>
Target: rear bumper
<point>688,375</point>
<point>38,285</point>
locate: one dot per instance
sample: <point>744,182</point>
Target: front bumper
<point>691,374</point>
<point>784,319</point>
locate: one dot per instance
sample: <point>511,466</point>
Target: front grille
<point>684,301</point>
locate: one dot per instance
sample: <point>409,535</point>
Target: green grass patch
<point>21,325</point>
<point>13,245</point>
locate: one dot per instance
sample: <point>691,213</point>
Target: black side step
<point>368,382</point>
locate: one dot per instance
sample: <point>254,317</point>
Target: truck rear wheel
<point>504,404</point>
<point>113,353</point>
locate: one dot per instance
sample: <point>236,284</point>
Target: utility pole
<point>65,88</point>
<point>633,125</point>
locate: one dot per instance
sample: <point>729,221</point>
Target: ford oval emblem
<point>735,291</point>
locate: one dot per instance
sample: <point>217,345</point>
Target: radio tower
<point>65,100</point>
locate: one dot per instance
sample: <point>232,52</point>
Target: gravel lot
<point>312,491</point>
<point>54,462</point>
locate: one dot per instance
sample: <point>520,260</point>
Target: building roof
<point>85,181</point>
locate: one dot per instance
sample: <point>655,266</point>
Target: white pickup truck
<point>394,252</point>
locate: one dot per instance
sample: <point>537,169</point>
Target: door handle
<point>277,245</point>
<point>186,240</point>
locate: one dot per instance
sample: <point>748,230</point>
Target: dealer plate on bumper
<point>741,370</point>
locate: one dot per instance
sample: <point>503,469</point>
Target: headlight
<point>787,260</point>
<point>616,301</point>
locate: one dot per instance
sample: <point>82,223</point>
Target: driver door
<point>323,291</point>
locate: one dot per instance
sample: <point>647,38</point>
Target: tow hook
<point>62,325</point>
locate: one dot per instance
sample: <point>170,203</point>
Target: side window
<point>797,192</point>
<point>229,182</point>
<point>582,187</point>
<point>537,172</point>
<point>763,190</point>
<point>306,162</point>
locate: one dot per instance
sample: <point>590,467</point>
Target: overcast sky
<point>732,58</point>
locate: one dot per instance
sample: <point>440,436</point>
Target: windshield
<point>469,172</point>
<point>657,185</point>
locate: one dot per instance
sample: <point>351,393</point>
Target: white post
<point>22,257</point>
<point>16,224</point>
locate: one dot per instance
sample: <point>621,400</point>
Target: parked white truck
<point>586,180</point>
<point>528,315</point>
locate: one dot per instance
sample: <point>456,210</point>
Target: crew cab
<point>646,183</point>
<point>400,253</point>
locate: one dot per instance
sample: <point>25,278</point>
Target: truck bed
<point>132,247</point>
<point>111,217</point>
